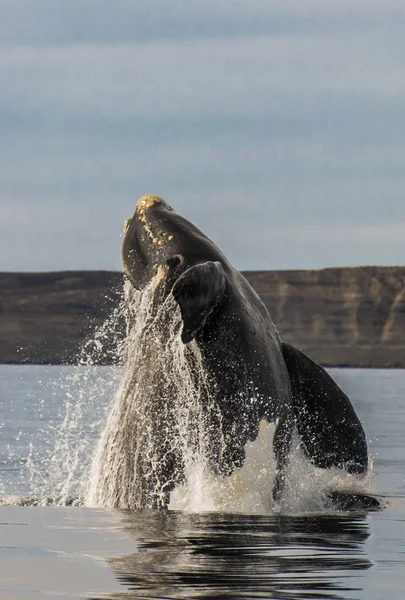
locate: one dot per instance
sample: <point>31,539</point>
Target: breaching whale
<point>252,374</point>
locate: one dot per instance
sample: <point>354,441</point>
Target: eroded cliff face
<point>47,317</point>
<point>348,316</point>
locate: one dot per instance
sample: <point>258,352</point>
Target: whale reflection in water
<point>237,556</point>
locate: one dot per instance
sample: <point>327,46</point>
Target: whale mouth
<point>127,225</point>
<point>147,202</point>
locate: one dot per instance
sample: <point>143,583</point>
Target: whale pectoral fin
<point>198,292</point>
<point>327,424</point>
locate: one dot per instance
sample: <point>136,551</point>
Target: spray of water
<point>72,406</point>
<point>161,421</point>
<point>162,424</point>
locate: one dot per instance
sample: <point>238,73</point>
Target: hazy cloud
<point>275,126</point>
<point>247,76</point>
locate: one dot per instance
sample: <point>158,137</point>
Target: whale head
<point>157,239</point>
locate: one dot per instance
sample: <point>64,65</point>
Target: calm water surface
<point>50,420</point>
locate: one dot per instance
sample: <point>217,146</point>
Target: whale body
<point>252,374</point>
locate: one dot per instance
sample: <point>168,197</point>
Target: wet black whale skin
<point>253,375</point>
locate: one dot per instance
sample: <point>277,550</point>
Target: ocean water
<point>218,539</point>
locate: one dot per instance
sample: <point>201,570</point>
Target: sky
<point>277,127</point>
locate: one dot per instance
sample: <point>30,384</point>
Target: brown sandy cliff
<point>347,316</point>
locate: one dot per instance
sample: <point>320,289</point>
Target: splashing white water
<point>249,489</point>
<point>160,422</point>
<point>161,413</point>
<point>60,453</point>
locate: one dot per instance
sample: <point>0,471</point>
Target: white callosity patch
<point>143,205</point>
<point>147,202</point>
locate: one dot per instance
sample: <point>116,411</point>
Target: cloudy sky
<point>277,127</point>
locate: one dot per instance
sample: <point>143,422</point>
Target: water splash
<point>163,421</point>
<point>161,415</point>
<point>60,453</point>
<point>249,489</point>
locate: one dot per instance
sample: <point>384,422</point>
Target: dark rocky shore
<point>339,317</point>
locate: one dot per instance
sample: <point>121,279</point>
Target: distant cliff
<point>47,317</point>
<point>345,317</point>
